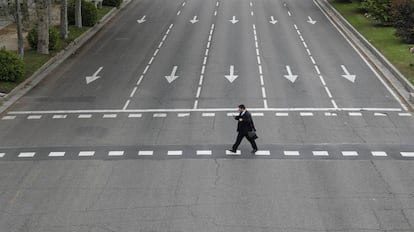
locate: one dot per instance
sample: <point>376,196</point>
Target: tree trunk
<point>49,11</point>
<point>43,27</point>
<point>64,19</point>
<point>78,13</point>
<point>20,44</point>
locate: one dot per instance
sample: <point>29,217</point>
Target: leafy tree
<point>403,17</point>
<point>379,10</point>
<point>11,66</point>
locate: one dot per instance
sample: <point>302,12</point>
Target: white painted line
<point>171,26</point>
<point>152,59</point>
<point>329,114</point>
<point>296,27</point>
<point>34,117</point>
<point>182,115</point>
<point>110,115</point>
<point>183,4</point>
<point>257,114</point>
<point>301,37</point>
<point>27,154</point>
<point>205,60</point>
<point>203,69</point>
<point>282,114</point>
<point>291,153</point>
<point>313,60</point>
<point>262,153</point>
<point>140,79</point>
<point>85,116</point>
<point>116,153</point>
<point>260,70</point>
<point>86,153</point>
<point>134,115</point>
<point>251,4</point>
<point>164,38</point>
<point>56,154</point>
<point>380,114</point>
<point>355,114</point>
<point>350,153</point>
<point>146,69</point>
<point>334,104</point>
<point>265,103</point>
<point>306,114</point>
<point>289,13</point>
<point>317,70</point>
<point>175,153</point>
<point>206,53</point>
<point>2,155</point>
<point>159,115</point>
<point>322,80</point>
<point>208,44</point>
<point>217,4</point>
<point>156,52</point>
<point>379,153</point>
<point>159,46</point>
<point>208,114</point>
<point>179,12</point>
<point>261,79</point>
<point>59,116</point>
<point>8,117</point>
<point>258,60</point>
<point>308,51</point>
<point>257,52</point>
<point>252,13</point>
<point>201,80</point>
<point>146,153</point>
<point>232,114</point>
<point>407,154</point>
<point>133,91</point>
<point>263,92</point>
<point>195,105</point>
<point>126,105</point>
<point>304,44</point>
<point>215,13</point>
<point>328,91</point>
<point>204,152</point>
<point>238,152</point>
<point>198,92</point>
<point>405,114</point>
<point>257,44</point>
<point>320,153</point>
<point>209,37</point>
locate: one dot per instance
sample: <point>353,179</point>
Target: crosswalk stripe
<point>2,155</point>
<point>329,114</point>
<point>34,117</point>
<point>86,153</point>
<point>159,115</point>
<point>320,153</point>
<point>306,114</point>
<point>291,153</point>
<point>116,153</point>
<point>262,153</point>
<point>282,114</point>
<point>175,153</point>
<point>208,114</point>
<point>8,117</point>
<point>110,115</point>
<point>380,114</point>
<point>238,152</point>
<point>350,153</point>
<point>56,154</point>
<point>407,154</point>
<point>379,153</point>
<point>145,153</point>
<point>257,114</point>
<point>85,116</point>
<point>204,152</point>
<point>405,114</point>
<point>59,116</point>
<point>182,115</point>
<point>134,115</point>
<point>355,114</point>
<point>27,154</point>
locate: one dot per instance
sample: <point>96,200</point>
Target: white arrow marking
<point>290,77</point>
<point>347,75</point>
<point>172,77</point>
<point>272,20</point>
<point>142,19</point>
<point>311,21</point>
<point>234,20</point>
<point>231,77</point>
<point>194,20</point>
<point>94,77</point>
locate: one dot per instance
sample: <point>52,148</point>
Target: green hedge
<point>11,66</point>
<point>89,13</point>
<point>114,3</point>
<point>32,37</point>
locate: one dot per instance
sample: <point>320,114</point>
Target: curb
<point>24,87</point>
<point>398,82</point>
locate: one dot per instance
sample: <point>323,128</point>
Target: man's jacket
<point>246,124</point>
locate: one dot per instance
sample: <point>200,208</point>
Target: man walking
<point>244,126</point>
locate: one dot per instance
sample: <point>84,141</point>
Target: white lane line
<point>9,117</point>
<point>116,153</point>
<point>146,69</point>
<point>261,80</point>
<point>296,27</point>
<point>265,104</point>
<point>251,4</point>
<point>135,116</point>
<point>215,13</point>
<point>379,153</point>
<point>290,14</point>
<point>320,153</point>
<point>263,92</point>
<point>110,115</point>
<point>200,82</point>
<point>159,115</point>
<point>329,114</point>
<point>262,153</point>
<point>156,52</point>
<point>309,52</point>
<point>238,152</point>
<point>140,80</point>
<point>56,154</point>
<point>179,12</point>
<point>355,114</point>
<point>306,114</point>
<point>152,59</point>
<point>217,4</point>
<point>313,60</point>
<point>85,116</point>
<point>26,154</point>
<point>208,115</point>
<point>282,114</point>
<point>2,155</point>
<point>260,70</point>
<point>59,116</point>
<point>258,60</point>
<point>146,153</point>
<point>195,104</point>
<point>126,104</point>
<point>257,114</point>
<point>317,70</point>
<point>251,13</point>
<point>183,4</point>
<point>407,154</point>
<point>182,115</point>
<point>380,114</point>
<point>204,152</point>
<point>405,114</point>
<point>86,153</point>
<point>291,153</point>
<point>198,92</point>
<point>173,153</point>
<point>133,91</point>
<point>322,80</point>
<point>350,153</point>
<point>328,92</point>
<point>34,117</point>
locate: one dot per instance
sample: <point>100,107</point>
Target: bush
<point>11,66</point>
<point>379,10</point>
<point>53,38</point>
<point>403,13</point>
<point>114,3</point>
<point>89,13</point>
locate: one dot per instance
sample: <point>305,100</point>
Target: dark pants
<point>240,136</point>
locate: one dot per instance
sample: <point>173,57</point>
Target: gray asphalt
<point>363,182</point>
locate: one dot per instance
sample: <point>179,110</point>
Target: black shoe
<point>231,150</point>
<point>254,151</point>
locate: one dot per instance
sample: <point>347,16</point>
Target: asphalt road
<point>142,146</point>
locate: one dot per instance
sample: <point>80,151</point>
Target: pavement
<point>131,132</point>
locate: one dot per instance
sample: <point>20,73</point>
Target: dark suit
<point>243,127</point>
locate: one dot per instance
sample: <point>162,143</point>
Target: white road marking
<point>328,92</point>
<point>289,13</point>
<point>134,115</point>
<point>2,155</point>
<point>56,154</point>
<point>146,153</point>
<point>110,115</point>
<point>34,117</point>
<point>85,116</point>
<point>238,152</point>
<point>59,116</point>
<point>380,114</point>
<point>329,114</point>
<point>291,153</point>
<point>208,114</point>
<point>152,59</point>
<point>231,114</point>
<point>27,154</point>
<point>173,153</point>
<point>308,51</point>
<point>86,153</point>
<point>198,92</point>
<point>8,117</point>
<point>317,70</point>
<point>282,114</point>
<point>263,92</point>
<point>140,79</point>
<point>133,91</point>
<point>159,115</point>
<point>204,152</point>
<point>350,153</point>
<point>116,153</point>
<point>156,52</point>
<point>313,60</point>
<point>320,153</point>
<point>355,114</point>
<point>179,12</point>
<point>195,105</point>
<point>379,153</point>
<point>407,154</point>
<point>257,114</point>
<point>405,114</point>
<point>126,104</point>
<point>182,115</point>
<point>146,69</point>
<point>306,114</point>
<point>262,153</point>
